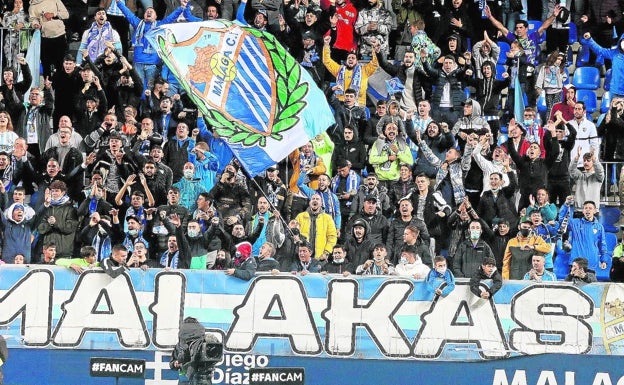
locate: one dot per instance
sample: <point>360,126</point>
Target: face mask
<point>495,189</point>
<point>193,233</point>
<point>98,195</point>
<point>475,234</point>
<point>188,174</point>
<point>441,270</point>
<point>378,259</point>
<point>403,261</point>
<point>528,122</point>
<point>338,261</point>
<point>133,233</point>
<point>525,232</point>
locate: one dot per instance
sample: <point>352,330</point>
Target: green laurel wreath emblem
<point>290,95</point>
<point>290,98</point>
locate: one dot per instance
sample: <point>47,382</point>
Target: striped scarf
<point>356,79</point>
<point>97,39</point>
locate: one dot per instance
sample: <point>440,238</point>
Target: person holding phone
<point>579,272</point>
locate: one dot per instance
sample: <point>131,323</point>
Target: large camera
<point>211,350</point>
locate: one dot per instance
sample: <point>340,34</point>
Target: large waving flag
<point>258,98</point>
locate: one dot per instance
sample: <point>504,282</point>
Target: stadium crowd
<point>109,161</point>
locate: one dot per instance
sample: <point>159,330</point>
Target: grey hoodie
<point>474,122</point>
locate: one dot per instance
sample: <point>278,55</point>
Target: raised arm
<point>495,22</point>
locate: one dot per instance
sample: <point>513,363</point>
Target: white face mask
<point>193,233</point>
<point>188,173</point>
<point>133,232</point>
<point>441,270</point>
<point>378,259</point>
<point>338,260</point>
<point>403,261</point>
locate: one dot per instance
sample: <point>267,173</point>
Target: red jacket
<point>345,33</point>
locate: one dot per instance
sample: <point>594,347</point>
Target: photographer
<point>191,354</point>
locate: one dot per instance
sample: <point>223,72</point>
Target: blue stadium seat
<point>499,71</point>
<point>504,48</point>
<point>607,81</point>
<point>534,25</point>
<point>586,78</point>
<point>603,274</point>
<point>582,56</point>
<point>561,265</point>
<point>605,103</point>
<point>567,79</point>
<point>609,217</point>
<point>589,98</point>
<point>572,37</point>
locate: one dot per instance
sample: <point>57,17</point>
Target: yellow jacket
<point>326,235</point>
<point>367,70</point>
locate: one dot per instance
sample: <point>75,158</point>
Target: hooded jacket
<point>359,252</point>
<point>378,224</point>
<point>473,122</point>
<point>17,235</point>
<point>489,90</point>
<point>587,238</point>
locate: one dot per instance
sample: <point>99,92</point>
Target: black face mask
<point>525,232</point>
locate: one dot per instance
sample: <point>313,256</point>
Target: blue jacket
<point>587,239</point>
<point>617,59</point>
<point>206,169</point>
<point>189,190</point>
<point>17,238</point>
<point>218,147</point>
<point>143,51</point>
<point>434,280</point>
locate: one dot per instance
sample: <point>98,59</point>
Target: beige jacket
<point>53,27</point>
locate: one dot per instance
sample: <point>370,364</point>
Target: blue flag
<point>394,86</point>
<point>255,95</point>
